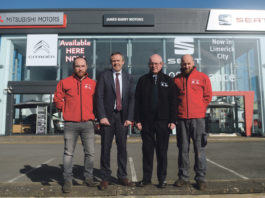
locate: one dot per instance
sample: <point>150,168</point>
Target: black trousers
<point>107,134</point>
<point>155,136</point>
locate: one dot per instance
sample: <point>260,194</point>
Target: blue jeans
<point>71,132</point>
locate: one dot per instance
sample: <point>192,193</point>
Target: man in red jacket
<point>194,94</point>
<point>74,97</point>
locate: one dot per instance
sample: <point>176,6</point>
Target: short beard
<point>185,71</point>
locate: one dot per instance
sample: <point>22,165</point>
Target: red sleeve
<point>207,93</point>
<point>59,95</point>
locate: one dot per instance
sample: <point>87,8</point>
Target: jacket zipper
<point>81,98</point>
<point>187,97</point>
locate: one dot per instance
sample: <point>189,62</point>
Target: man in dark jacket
<point>155,117</point>
<point>194,93</point>
<point>114,108</point>
<point>74,97</point>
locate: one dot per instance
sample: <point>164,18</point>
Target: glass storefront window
<point>104,48</point>
<point>233,62</point>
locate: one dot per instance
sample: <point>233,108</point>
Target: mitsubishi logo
<point>1,20</point>
<point>41,45</point>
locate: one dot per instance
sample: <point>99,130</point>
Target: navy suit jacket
<point>106,95</point>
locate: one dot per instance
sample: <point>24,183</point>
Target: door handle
<point>9,90</point>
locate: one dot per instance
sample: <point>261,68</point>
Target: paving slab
<point>54,189</point>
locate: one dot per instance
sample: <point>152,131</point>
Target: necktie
<point>155,78</point>
<point>118,93</point>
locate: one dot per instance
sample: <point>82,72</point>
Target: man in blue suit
<point>114,108</point>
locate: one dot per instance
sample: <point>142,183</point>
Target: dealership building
<point>37,48</point>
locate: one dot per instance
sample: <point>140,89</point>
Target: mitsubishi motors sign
<point>236,20</point>
<point>32,20</point>
<point>42,50</point>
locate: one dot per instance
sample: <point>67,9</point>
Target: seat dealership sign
<point>236,20</point>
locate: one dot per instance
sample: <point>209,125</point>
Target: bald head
<point>187,56</point>
<point>155,63</point>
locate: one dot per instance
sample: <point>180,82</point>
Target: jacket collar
<point>192,71</point>
<point>79,79</point>
<point>158,74</point>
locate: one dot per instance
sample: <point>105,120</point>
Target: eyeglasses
<point>152,63</point>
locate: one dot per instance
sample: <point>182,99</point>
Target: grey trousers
<point>72,130</point>
<point>191,129</point>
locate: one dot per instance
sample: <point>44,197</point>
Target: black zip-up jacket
<point>167,99</point>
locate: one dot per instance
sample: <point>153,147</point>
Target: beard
<point>186,71</point>
<point>80,74</point>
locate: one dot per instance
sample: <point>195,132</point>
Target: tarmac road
<point>236,165</point>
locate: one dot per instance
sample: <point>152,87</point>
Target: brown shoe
<point>180,183</point>
<point>103,185</point>
<point>201,185</point>
<point>125,182</point>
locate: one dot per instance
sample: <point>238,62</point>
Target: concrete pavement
<point>247,189</point>
<point>50,183</point>
<point>55,139</point>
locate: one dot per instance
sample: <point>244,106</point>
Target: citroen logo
<point>42,45</point>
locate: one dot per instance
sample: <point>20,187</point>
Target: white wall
<point>6,61</point>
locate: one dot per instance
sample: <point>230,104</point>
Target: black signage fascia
<point>128,20</point>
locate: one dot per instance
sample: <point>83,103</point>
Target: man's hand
<point>104,121</point>
<point>127,123</point>
<point>139,126</point>
<point>171,126</point>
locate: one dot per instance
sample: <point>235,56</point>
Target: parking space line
<point>22,175</point>
<point>133,172</point>
<point>230,170</point>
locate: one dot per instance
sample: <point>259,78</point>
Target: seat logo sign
<point>225,19</point>
<point>41,46</point>
<point>1,20</point>
<point>183,45</point>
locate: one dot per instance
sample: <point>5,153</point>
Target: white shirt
<point>120,81</point>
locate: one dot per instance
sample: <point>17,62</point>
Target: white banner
<point>42,50</point>
<point>237,20</point>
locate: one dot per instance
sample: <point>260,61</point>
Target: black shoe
<point>201,184</point>
<point>142,183</point>
<point>162,184</point>
<point>90,182</point>
<point>181,182</point>
<point>67,186</point>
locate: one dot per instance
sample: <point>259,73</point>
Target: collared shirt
<point>120,80</point>
<point>155,78</point>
